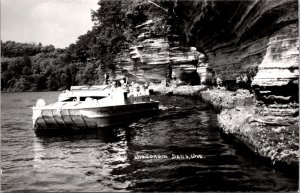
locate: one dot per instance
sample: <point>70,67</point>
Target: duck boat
<point>91,107</point>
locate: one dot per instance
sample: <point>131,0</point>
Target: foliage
<point>34,67</point>
<point>15,49</point>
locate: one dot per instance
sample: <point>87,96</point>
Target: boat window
<point>82,98</point>
<point>92,97</point>
<point>69,99</point>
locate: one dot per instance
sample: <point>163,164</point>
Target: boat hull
<point>70,119</point>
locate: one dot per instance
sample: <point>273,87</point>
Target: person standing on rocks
<point>170,70</point>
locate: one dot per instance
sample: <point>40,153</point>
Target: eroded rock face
<point>256,40</point>
<point>252,43</point>
<point>240,36</point>
<point>248,44</point>
<point>280,63</point>
<point>148,59</point>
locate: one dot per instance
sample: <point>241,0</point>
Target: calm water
<point>108,160</point>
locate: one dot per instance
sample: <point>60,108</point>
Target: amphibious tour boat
<point>88,107</point>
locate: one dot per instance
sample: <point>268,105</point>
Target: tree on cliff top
<point>109,35</point>
<point>112,31</point>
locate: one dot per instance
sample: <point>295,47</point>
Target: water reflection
<point>39,152</point>
<point>85,158</point>
<point>176,131</point>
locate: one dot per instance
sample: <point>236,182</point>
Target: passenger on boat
<point>146,85</point>
<point>136,89</point>
<point>124,86</point>
<point>122,82</point>
<point>131,87</point>
<point>142,90</point>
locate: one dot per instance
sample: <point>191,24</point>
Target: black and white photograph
<point>149,96</point>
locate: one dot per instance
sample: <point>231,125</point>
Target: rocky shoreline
<point>237,118</point>
<point>245,46</point>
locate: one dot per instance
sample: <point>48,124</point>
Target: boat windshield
<point>82,98</point>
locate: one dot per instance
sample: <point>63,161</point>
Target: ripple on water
<point>105,160</point>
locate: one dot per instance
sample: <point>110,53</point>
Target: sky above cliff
<point>56,22</point>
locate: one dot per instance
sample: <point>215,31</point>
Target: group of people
<point>136,89</point>
<point>133,89</point>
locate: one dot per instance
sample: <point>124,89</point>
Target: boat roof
<point>93,87</point>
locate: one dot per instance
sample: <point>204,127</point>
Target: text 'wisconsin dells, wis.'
<point>172,156</point>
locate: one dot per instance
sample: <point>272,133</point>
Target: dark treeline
<point>31,67</point>
<point>34,67</point>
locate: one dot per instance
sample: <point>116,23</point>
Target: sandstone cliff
<point>155,45</point>
<point>252,45</point>
<point>240,36</point>
<point>247,44</point>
